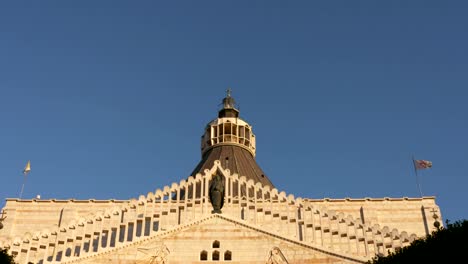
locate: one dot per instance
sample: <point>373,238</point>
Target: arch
<point>216,244</point>
<point>204,255</point>
<point>215,255</point>
<point>150,197</point>
<point>198,177</point>
<point>158,193</point>
<point>68,252</point>
<point>227,255</point>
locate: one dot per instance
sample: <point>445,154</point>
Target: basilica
<point>228,210</point>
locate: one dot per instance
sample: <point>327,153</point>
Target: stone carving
<point>276,257</point>
<point>154,255</point>
<point>217,193</point>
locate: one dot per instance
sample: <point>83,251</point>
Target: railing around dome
<point>228,131</point>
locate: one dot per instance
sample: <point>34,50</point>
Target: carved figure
<point>217,193</point>
<point>155,255</point>
<point>276,257</point>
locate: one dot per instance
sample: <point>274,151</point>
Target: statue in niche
<point>217,193</point>
<point>276,257</point>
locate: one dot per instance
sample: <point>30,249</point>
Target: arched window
<point>227,255</point>
<point>215,255</point>
<point>203,255</point>
<point>216,244</point>
<point>68,252</point>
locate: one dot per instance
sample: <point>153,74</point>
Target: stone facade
<point>177,224</point>
<point>262,226</point>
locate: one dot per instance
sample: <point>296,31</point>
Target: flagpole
<point>26,170</point>
<point>417,177</point>
<point>22,187</point>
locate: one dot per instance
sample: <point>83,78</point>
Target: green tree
<point>445,245</point>
<point>6,258</point>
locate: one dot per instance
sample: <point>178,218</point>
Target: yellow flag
<point>27,168</point>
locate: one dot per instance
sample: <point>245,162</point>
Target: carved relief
<point>276,257</point>
<point>153,255</point>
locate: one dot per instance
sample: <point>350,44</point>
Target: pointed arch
<point>227,255</point>
<point>215,255</point>
<point>203,255</point>
<point>216,244</point>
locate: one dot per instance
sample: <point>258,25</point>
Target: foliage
<point>6,258</point>
<point>444,245</point>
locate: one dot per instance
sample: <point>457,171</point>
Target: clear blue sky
<point>109,99</point>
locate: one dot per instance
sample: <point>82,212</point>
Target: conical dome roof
<point>230,140</point>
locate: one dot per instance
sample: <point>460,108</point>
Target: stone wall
<point>51,230</point>
<point>413,215</point>
<point>216,239</point>
<point>29,216</point>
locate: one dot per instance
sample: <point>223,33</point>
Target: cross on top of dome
<point>229,106</point>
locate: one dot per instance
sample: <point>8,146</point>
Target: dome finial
<point>229,106</point>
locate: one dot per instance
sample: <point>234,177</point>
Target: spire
<point>229,106</point>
